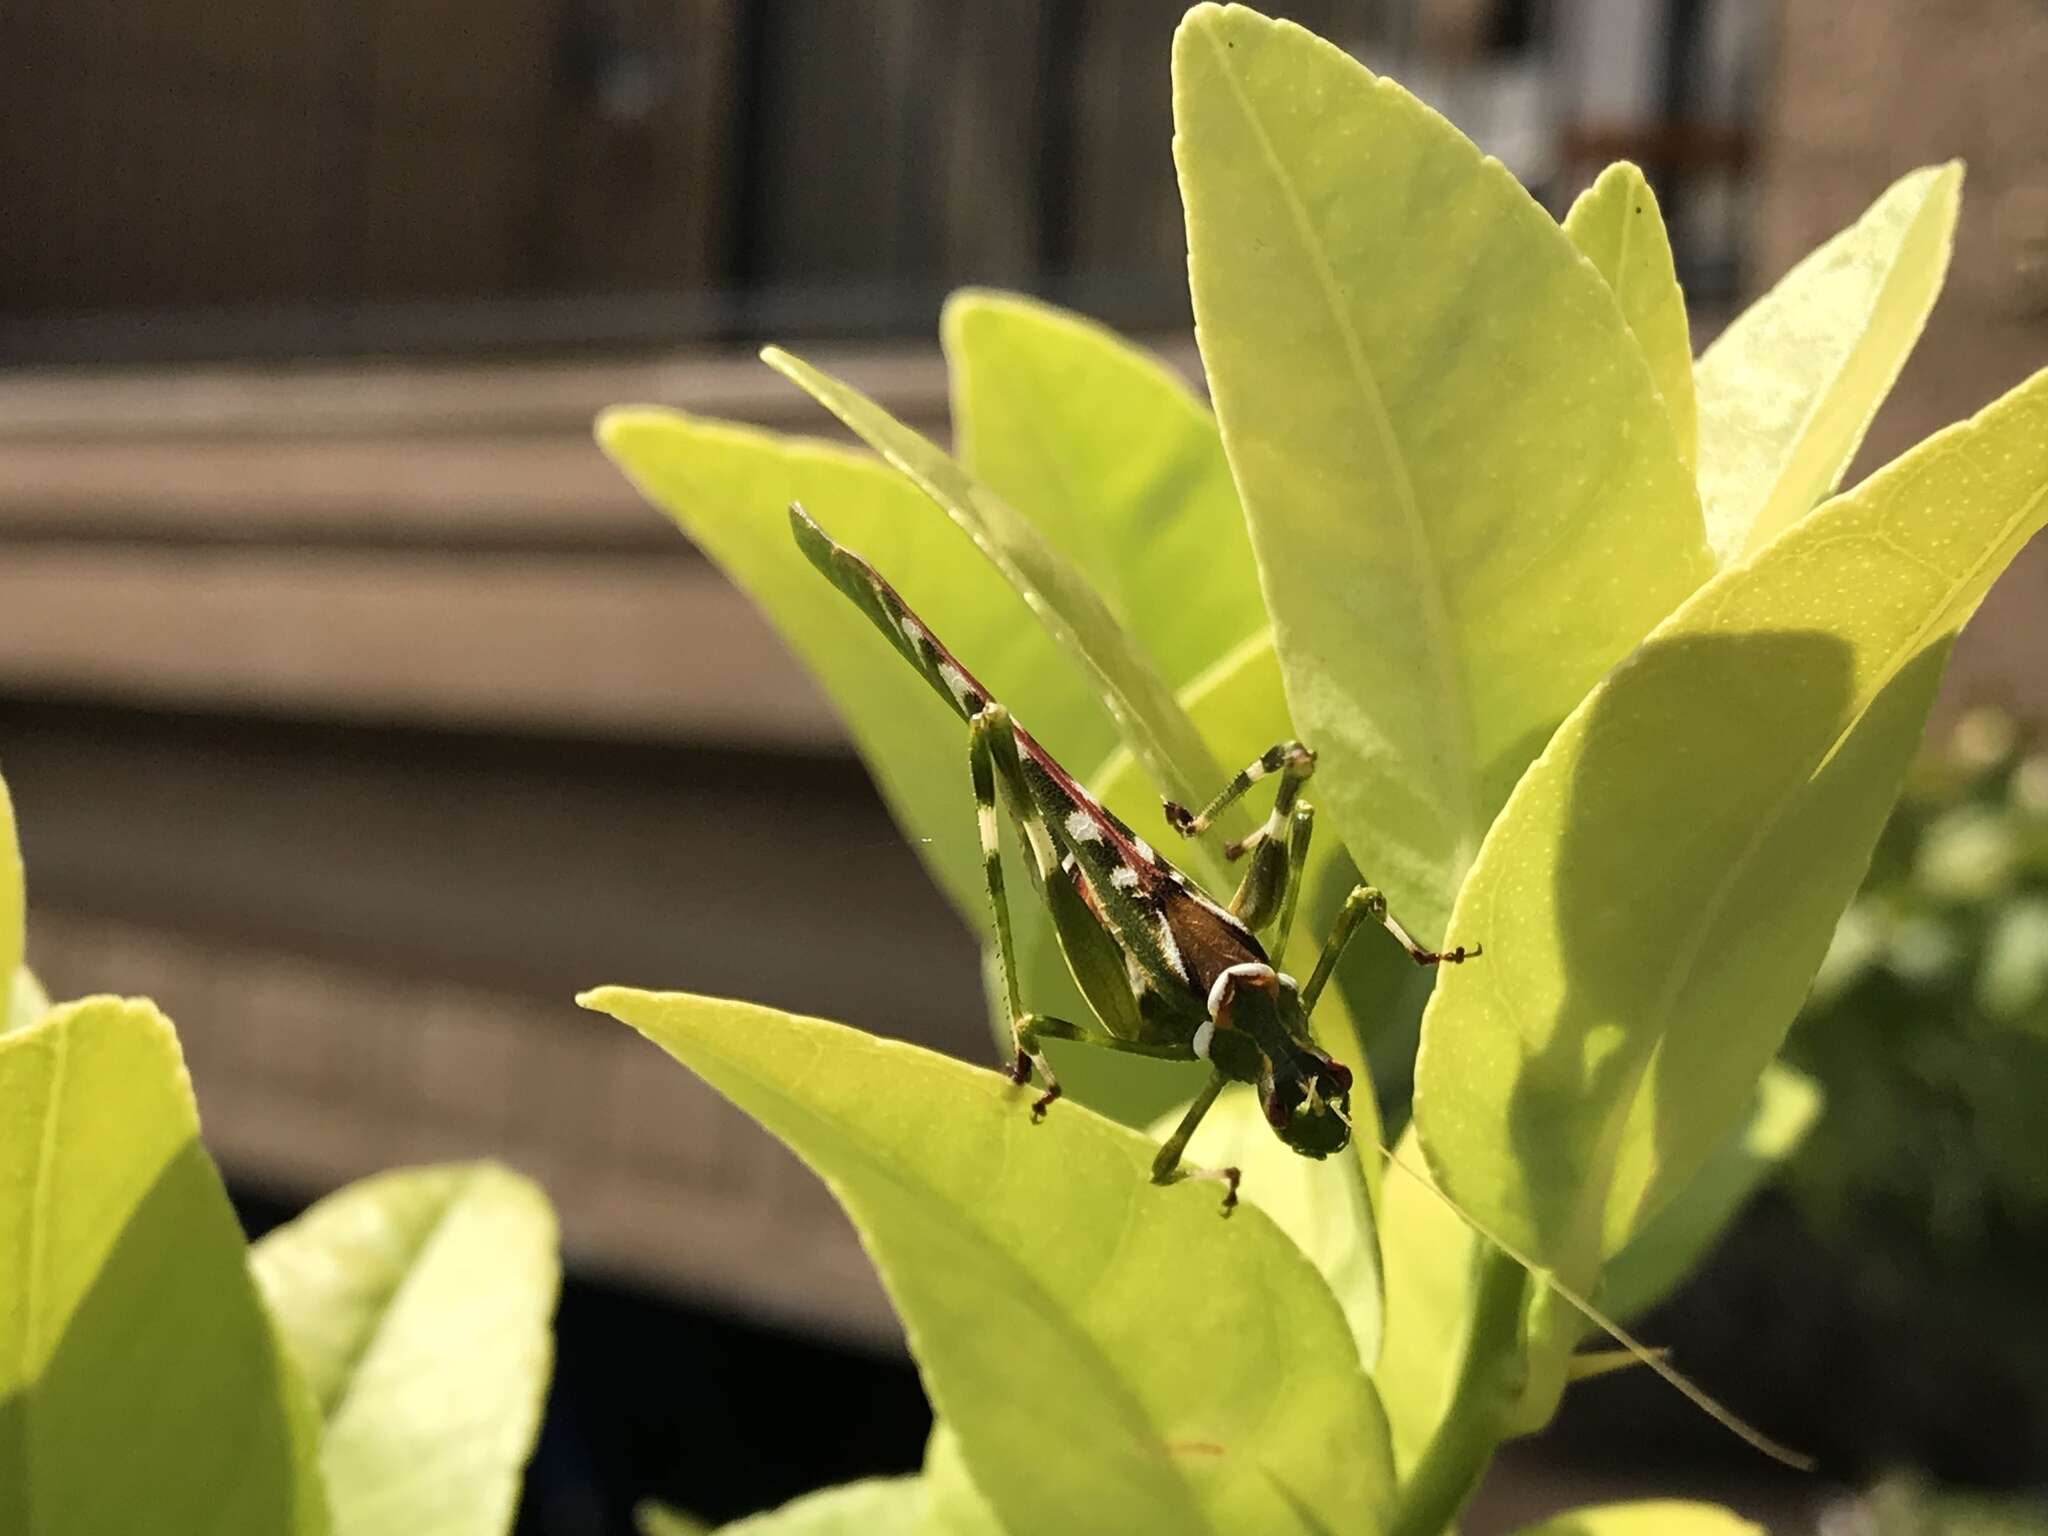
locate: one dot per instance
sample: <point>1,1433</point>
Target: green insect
<point>1169,972</point>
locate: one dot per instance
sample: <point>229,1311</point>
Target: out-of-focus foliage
<point>1928,1026</point>
<point>1905,1506</point>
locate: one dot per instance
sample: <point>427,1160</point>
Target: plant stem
<point>1489,1381</point>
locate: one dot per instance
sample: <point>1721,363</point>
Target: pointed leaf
<point>1438,423</point>
<point>1150,723</point>
<point>1617,226</point>
<point>1206,1380</point>
<point>953,1505</point>
<point>1646,1517</point>
<point>416,1305</point>
<point>1658,893</point>
<point>141,1386</point>
<point>652,1519</point>
<point>1677,1237</point>
<point>1428,1257</point>
<point>1788,390</point>
<point>1118,466</point>
<point>729,489</point>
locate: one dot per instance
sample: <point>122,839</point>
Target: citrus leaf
<point>1788,390</point>
<point>416,1306</point>
<point>1148,720</point>
<point>1646,1517</point>
<point>1109,455</point>
<point>729,489</point>
<point>1658,893</point>
<point>1617,226</point>
<point>1439,424</point>
<point>13,913</point>
<point>141,1385</point>
<point>874,1506</point>
<point>1206,1379</point>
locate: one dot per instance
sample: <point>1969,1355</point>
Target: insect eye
<point>1340,1075</point>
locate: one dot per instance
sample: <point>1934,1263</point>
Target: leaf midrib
<point>1450,681</point>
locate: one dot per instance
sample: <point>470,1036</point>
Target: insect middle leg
<point>1366,904</point>
<point>1267,886</point>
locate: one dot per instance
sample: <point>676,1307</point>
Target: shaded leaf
<point>652,1519</point>
<point>141,1386</point>
<point>1656,897</point>
<point>13,913</point>
<point>874,1506</point>
<point>1207,1379</point>
<point>1109,455</point>
<point>1678,1237</point>
<point>953,1505</point>
<point>416,1305</point>
<point>1787,391</point>
<point>1438,422</point>
<point>1428,1258</point>
<point>1148,720</point>
<point>1617,226</point>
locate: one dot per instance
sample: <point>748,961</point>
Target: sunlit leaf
<point>1656,897</point>
<point>1148,720</point>
<point>1646,1517</point>
<point>875,1506</point>
<point>1206,1379</point>
<point>141,1385</point>
<point>1617,226</point>
<point>1465,495</point>
<point>416,1305</point>
<point>1109,455</point>
<point>13,913</point>
<point>1788,389</point>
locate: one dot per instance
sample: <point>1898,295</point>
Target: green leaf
<point>1677,1237</point>
<point>1656,897</point>
<point>141,1385</point>
<point>27,1003</point>
<point>13,912</point>
<point>416,1306</point>
<point>1207,1380</point>
<point>729,489</point>
<point>1325,1206</point>
<point>1428,1257</point>
<point>1439,423</point>
<point>1617,226</point>
<point>875,1506</point>
<point>652,1519</point>
<point>1788,390</point>
<point>1109,455</point>
<point>953,1505</point>
<point>1646,1517</point>
<point>1148,720</point>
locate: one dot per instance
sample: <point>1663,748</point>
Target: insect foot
<point>1180,818</point>
<point>1044,1102</point>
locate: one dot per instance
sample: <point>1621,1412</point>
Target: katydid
<point>1169,972</point>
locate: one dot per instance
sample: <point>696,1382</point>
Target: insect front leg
<point>1263,893</point>
<point>1166,1166</point>
<point>1365,904</point>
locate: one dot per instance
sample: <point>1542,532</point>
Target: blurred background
<point>356,710</point>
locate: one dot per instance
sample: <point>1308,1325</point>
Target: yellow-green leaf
<point>27,1003</point>
<point>1788,390</point>
<point>953,1505</point>
<point>1646,1517</point>
<point>1617,226</point>
<point>13,910</point>
<point>874,1506</point>
<point>1428,1257</point>
<point>1148,720</point>
<point>141,1385</point>
<point>1656,896</point>
<point>1466,498</point>
<point>729,489</point>
<point>1120,468</point>
<point>1206,1378</point>
<point>416,1305</point>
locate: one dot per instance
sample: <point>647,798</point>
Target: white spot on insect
<point>1124,878</point>
<point>956,683</point>
<point>1144,850</point>
<point>1083,828</point>
<point>985,819</point>
<point>1203,1036</point>
<point>1244,968</point>
<point>1169,950</point>
<point>912,630</point>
